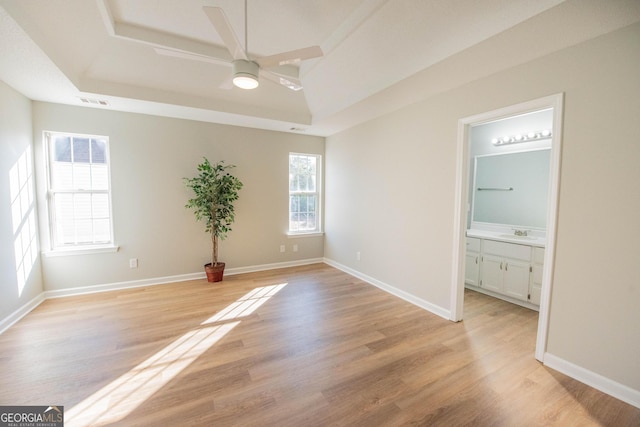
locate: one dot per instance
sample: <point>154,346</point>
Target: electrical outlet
<point>133,263</point>
<point>282,248</point>
<point>358,255</point>
<point>295,248</point>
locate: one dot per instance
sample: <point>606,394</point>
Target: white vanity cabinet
<point>506,270</point>
<point>536,276</point>
<point>472,262</point>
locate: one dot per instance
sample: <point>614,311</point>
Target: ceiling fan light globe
<point>245,74</point>
<point>245,81</point>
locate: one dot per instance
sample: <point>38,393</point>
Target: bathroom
<point>507,210</point>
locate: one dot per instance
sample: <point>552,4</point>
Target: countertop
<point>509,238</point>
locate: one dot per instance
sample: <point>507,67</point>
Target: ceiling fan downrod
<point>245,71</point>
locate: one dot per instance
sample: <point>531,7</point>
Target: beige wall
<point>390,187</point>
<point>149,157</point>
<point>15,138</point>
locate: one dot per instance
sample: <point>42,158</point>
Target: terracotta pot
<point>214,273</point>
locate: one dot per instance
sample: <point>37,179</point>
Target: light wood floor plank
<point>326,349</point>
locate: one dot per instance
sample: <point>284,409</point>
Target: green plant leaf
<point>215,191</point>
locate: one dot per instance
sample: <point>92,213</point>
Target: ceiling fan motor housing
<point>245,73</point>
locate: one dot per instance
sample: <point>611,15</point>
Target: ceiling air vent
<point>94,101</point>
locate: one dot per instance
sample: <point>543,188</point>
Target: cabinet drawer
<point>473,244</point>
<point>538,255</point>
<point>509,250</point>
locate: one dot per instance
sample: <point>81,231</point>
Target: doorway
<point>462,215</point>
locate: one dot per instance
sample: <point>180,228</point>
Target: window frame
<point>318,193</point>
<point>56,247</point>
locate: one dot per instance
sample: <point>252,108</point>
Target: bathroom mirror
<point>511,188</point>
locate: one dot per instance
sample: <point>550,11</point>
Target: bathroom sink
<point>513,236</point>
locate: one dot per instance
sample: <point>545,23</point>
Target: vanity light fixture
<point>522,137</point>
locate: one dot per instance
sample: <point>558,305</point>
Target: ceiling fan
<point>246,69</point>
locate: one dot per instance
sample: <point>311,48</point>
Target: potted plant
<point>215,191</point>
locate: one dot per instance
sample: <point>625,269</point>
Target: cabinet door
<point>536,277</point>
<point>492,273</point>
<point>516,278</point>
<point>471,268</point>
<point>536,285</point>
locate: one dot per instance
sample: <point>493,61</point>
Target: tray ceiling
<point>138,55</point>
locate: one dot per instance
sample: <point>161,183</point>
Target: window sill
<point>82,251</point>
<point>293,235</point>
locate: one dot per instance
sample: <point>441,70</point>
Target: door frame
<point>556,102</point>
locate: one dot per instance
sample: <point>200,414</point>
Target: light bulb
<point>245,82</point>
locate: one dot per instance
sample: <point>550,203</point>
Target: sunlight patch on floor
<point>246,305</point>
<point>120,397</point>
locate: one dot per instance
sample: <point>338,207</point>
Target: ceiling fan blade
<point>227,84</point>
<point>220,22</point>
<point>291,57</point>
<point>286,81</point>
<point>190,56</point>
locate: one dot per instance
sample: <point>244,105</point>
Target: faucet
<point>521,232</point>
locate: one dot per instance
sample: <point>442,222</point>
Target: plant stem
<point>214,255</point>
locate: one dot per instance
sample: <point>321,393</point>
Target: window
<point>79,191</point>
<point>304,193</point>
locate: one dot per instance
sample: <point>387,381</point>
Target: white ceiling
<point>379,55</point>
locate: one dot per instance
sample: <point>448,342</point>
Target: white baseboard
<point>14,317</point>
<point>11,319</point>
<point>426,305</point>
<point>83,290</point>
<point>597,381</point>
<point>172,279</point>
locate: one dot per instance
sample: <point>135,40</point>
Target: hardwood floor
<point>306,346</point>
